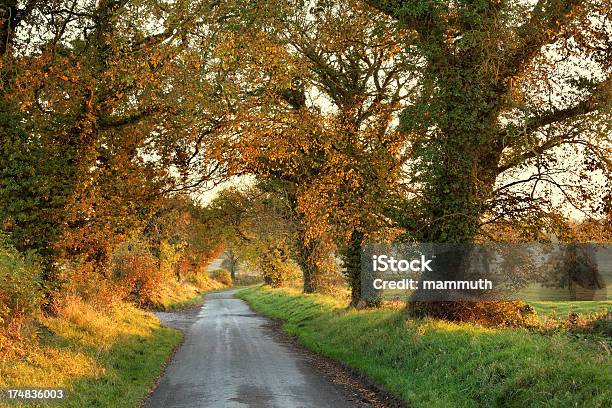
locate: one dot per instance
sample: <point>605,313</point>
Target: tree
<point>491,101</point>
<point>182,228</point>
<point>230,262</point>
<point>257,227</point>
<point>506,87</point>
<point>95,90</point>
<point>35,176</point>
<point>328,96</point>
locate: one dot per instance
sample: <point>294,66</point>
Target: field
<point>563,308</point>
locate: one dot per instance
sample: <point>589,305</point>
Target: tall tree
<point>100,93</point>
<point>506,86</point>
<point>335,80</point>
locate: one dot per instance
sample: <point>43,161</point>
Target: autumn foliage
<point>352,122</point>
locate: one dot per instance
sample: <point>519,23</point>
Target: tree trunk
<point>314,259</point>
<point>457,195</point>
<point>308,264</point>
<point>8,23</point>
<point>352,265</point>
<point>232,261</point>
<point>351,256</point>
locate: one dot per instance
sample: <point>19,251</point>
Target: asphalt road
<point>231,359</point>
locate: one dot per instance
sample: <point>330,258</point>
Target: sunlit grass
<point>431,363</point>
<point>103,358</point>
<point>174,295</point>
<point>564,308</point>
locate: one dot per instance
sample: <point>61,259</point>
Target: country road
<point>230,358</point>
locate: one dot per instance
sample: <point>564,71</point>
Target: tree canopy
<point>361,121</point>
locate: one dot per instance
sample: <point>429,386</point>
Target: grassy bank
<point>175,296</point>
<point>439,364</point>
<point>103,358</point>
<point>106,357</point>
<point>103,352</point>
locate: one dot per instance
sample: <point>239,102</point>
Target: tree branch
<point>547,21</point>
<point>597,101</point>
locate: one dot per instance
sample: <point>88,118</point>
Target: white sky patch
<point>211,193</point>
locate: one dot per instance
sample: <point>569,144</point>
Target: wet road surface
<point>230,359</point>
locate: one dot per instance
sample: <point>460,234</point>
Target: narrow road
<point>231,359</point>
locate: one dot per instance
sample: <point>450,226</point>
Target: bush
<point>138,273</point>
<point>21,292</point>
<point>78,278</point>
<point>276,269</point>
<point>170,257</point>
<point>278,273</point>
<point>223,276</point>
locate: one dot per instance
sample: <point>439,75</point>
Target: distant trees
<point>256,224</point>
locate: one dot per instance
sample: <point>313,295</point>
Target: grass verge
<point>430,363</point>
<point>174,295</point>
<point>107,356</point>
<point>103,358</point>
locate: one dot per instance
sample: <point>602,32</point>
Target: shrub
<point>78,278</point>
<point>274,266</point>
<point>20,292</point>
<point>137,272</point>
<point>170,257</point>
<point>278,273</point>
<point>223,276</point>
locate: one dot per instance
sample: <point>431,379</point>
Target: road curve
<point>230,359</point>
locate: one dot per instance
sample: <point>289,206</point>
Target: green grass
<point>440,364</point>
<point>564,308</point>
<point>105,358</point>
